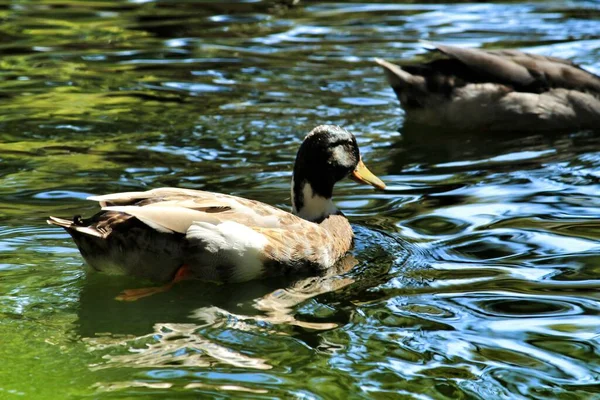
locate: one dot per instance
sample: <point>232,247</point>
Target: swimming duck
<point>158,233</point>
<point>494,90</point>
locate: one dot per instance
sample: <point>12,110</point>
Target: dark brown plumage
<point>496,90</point>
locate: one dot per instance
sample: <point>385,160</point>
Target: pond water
<point>475,274</point>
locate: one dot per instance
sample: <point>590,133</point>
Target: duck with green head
<point>218,237</point>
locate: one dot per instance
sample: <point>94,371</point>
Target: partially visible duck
<point>494,90</point>
<point>218,237</point>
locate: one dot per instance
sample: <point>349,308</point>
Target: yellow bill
<point>361,174</point>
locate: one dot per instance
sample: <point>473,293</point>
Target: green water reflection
<point>475,274</point>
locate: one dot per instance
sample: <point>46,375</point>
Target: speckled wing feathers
<point>319,245</point>
<point>174,210</point>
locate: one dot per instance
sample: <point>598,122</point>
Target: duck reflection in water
<point>256,307</point>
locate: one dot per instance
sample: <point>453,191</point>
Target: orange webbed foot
<point>136,294</point>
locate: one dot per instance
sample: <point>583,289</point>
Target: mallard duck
<point>218,237</point>
<point>473,89</point>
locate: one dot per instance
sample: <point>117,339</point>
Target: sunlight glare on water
<point>475,275</point>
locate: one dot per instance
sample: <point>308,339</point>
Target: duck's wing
<point>175,210</point>
<point>487,66</point>
<point>521,71</point>
<point>515,70</point>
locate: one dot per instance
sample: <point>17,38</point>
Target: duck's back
<point>497,89</point>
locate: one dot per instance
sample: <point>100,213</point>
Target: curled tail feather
<point>397,77</point>
<point>72,226</point>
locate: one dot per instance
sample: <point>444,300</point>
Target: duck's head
<point>327,154</point>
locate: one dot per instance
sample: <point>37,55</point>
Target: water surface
<point>475,274</point>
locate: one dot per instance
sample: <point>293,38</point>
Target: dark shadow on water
<point>271,300</point>
<point>427,145</point>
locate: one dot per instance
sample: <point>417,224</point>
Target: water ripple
<point>474,275</point>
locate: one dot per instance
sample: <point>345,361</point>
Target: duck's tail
<point>64,223</point>
<point>397,77</point>
<point>411,89</point>
<point>71,226</point>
